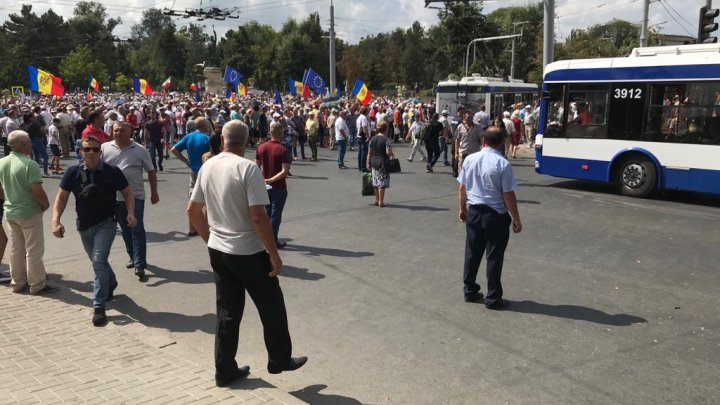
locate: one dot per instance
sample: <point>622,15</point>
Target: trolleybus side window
<point>684,113</point>
<point>587,115</point>
<point>555,109</point>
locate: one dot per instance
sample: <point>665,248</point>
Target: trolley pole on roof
<point>488,39</point>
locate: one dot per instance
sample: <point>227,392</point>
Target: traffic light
<point>707,25</point>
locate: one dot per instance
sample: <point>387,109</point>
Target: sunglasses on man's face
<point>93,149</point>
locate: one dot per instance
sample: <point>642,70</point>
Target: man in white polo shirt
<point>133,159</point>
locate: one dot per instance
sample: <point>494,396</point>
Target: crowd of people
<point>118,139</point>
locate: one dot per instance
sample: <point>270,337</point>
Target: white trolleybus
<point>495,93</point>
<point>644,122</point>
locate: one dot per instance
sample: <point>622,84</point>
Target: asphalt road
<point>614,300</point>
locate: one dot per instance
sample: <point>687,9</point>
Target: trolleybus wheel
<point>636,176</point>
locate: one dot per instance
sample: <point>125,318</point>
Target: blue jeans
<point>341,146</point>
<point>362,154</point>
<point>135,242</point>
<point>274,210</point>
<point>97,241</point>
<point>40,151</point>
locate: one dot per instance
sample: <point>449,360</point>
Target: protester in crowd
<point>24,203</point>
<point>65,128</point>
<point>515,138</point>
<point>431,139</point>
<point>215,147</point>
<point>274,161</point>
<point>342,133</point>
<point>94,128</point>
<point>414,135</point>
<point>33,127</point>
<point>467,138</point>
<point>379,151</point>
<point>94,185</point>
<point>132,159</point>
<point>243,255</point>
<point>197,143</point>
<point>155,139</point>
<point>446,136</point>
<point>481,118</point>
<point>488,206</point>
<point>312,127</point>
<point>53,140</point>
<point>363,136</point>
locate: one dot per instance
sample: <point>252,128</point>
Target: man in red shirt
<point>274,161</point>
<point>131,119</point>
<point>96,120</point>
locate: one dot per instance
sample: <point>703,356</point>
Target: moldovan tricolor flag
<point>361,92</point>
<point>167,83</point>
<point>94,84</point>
<point>141,86</point>
<point>44,82</point>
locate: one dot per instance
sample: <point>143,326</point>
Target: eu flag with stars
<point>233,76</point>
<point>315,82</point>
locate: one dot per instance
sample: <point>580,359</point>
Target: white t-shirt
<point>362,122</point>
<point>341,125</point>
<point>229,185</point>
<point>53,135</point>
<point>3,121</point>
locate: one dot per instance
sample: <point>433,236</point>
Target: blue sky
<point>355,19</point>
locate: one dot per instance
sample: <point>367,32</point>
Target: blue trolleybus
<point>644,122</point>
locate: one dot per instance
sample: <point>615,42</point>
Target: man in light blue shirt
<point>487,206</point>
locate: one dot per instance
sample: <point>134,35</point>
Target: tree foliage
<point>415,56</point>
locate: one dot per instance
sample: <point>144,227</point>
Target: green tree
<point>76,68</point>
<point>90,26</point>
<point>121,83</point>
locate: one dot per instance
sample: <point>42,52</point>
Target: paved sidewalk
<point>51,353</point>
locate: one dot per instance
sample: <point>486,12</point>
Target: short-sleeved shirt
<point>155,131</point>
<point>197,144</point>
<point>109,178</point>
<point>272,155</point>
<point>486,175</point>
<point>17,174</point>
<point>229,185</point>
<point>469,138</point>
<point>134,160</point>
<point>97,133</point>
<point>34,129</point>
<point>363,126</point>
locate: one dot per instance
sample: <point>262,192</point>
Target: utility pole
<point>332,48</point>
<point>548,32</point>
<point>644,27</point>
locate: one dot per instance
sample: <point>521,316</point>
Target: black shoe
<point>111,295</point>
<point>99,318</point>
<point>226,379</point>
<point>161,168</point>
<point>477,297</point>
<point>130,265</point>
<point>446,163</point>
<point>281,245</point>
<point>140,273</point>
<point>498,305</point>
<point>293,364</point>
<point>48,289</point>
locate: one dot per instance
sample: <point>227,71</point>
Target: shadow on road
<point>294,176</point>
<point>165,237</point>
<point>171,321</point>
<point>532,202</point>
<point>300,273</point>
<point>311,394</point>
<point>575,312</point>
<point>158,276</point>
<point>416,207</point>
<point>317,251</point>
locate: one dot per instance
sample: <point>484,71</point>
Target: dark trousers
<point>362,154</point>
<point>156,149</point>
<point>433,152</point>
<point>312,141</point>
<point>487,233</point>
<point>235,274</point>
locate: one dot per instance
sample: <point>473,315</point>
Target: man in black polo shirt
<point>94,185</point>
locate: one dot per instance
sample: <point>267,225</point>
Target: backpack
<point>425,131</point>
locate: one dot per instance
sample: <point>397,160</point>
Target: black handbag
<point>392,165</point>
